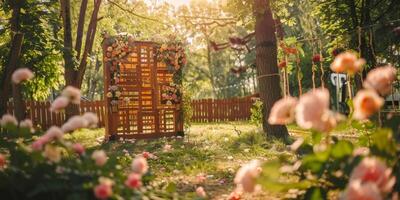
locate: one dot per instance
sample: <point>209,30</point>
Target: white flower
<point>73,94</point>
<point>8,119</point>
<point>21,75</point>
<point>92,119</point>
<point>74,123</point>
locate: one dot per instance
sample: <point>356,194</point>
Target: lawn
<point>212,151</point>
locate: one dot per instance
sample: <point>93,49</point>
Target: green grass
<point>215,150</point>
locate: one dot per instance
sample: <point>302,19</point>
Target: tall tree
<point>37,22</point>
<point>266,62</point>
<point>74,73</point>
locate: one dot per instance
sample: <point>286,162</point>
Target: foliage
<point>39,175</point>
<point>41,45</point>
<point>187,108</point>
<point>256,113</point>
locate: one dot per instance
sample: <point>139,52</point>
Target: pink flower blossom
<point>347,62</point>
<point>201,192</point>
<point>54,133</point>
<point>59,104</point>
<point>374,171</point>
<point>8,119</point>
<point>362,191</point>
<point>381,79</point>
<point>366,103</point>
<point>100,157</point>
<point>139,165</point>
<point>201,178</point>
<point>167,148</point>
<point>52,153</point>
<point>283,111</point>
<point>235,195</point>
<point>75,123</point>
<point>247,175</point>
<point>134,181</point>
<point>92,119</point>
<point>3,161</point>
<point>311,109</point>
<point>21,75</point>
<point>38,144</point>
<point>103,191</point>
<point>27,123</point>
<point>73,94</point>
<point>78,148</point>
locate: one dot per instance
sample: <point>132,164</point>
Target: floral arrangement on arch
<point>41,165</point>
<point>120,47</point>
<point>173,55</point>
<point>326,166</point>
<point>170,94</point>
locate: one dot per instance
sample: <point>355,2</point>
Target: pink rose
<point>347,62</point>
<point>100,157</point>
<point>73,94</point>
<point>374,171</point>
<point>54,133</point>
<point>21,75</point>
<point>139,165</point>
<point>311,109</point>
<point>283,111</point>
<point>75,123</point>
<point>78,148</point>
<point>201,192</point>
<point>362,191</point>
<point>3,161</point>
<point>27,123</point>
<point>38,144</point>
<point>366,103</point>
<point>381,79</point>
<point>134,181</point>
<point>167,148</point>
<point>8,119</point>
<point>59,104</point>
<point>91,118</point>
<point>247,175</point>
<point>201,178</point>
<point>103,191</point>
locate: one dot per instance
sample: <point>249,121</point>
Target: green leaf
<point>315,194</point>
<point>383,143</point>
<point>342,149</point>
<point>171,188</point>
<point>316,137</point>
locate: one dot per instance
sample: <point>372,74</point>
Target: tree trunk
<point>19,104</point>
<point>90,36</point>
<point>267,69</point>
<point>81,26</point>
<point>69,64</point>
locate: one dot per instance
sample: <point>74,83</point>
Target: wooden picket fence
<point>217,110</point>
<point>41,116</point>
<point>204,110</point>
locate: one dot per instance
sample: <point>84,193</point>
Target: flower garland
<point>171,94</point>
<point>173,55</point>
<point>118,49</point>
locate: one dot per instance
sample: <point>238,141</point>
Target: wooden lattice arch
<point>135,80</point>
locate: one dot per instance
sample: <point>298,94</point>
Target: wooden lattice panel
<point>139,112</point>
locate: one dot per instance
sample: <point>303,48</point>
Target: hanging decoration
<point>171,94</point>
<point>117,51</point>
<point>173,55</point>
<point>120,47</point>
